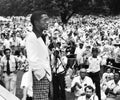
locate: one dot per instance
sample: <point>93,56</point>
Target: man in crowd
<point>94,62</point>
<point>38,57</point>
<point>86,54</point>
<point>117,57</point>
<point>89,94</point>
<point>78,52</point>
<point>9,64</point>
<point>58,65</point>
<point>113,86</point>
<point>80,82</point>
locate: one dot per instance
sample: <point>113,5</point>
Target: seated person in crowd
<point>89,94</point>
<point>113,86</point>
<point>107,74</point>
<point>80,82</point>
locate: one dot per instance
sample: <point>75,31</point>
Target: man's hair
<point>94,49</point>
<point>89,87</point>
<point>36,16</point>
<point>7,49</point>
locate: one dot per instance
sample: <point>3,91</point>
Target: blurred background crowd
<point>73,40</point>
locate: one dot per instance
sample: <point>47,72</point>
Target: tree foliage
<point>63,8</point>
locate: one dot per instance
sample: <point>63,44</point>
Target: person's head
<point>21,53</point>
<point>116,76</point>
<point>83,73</point>
<point>81,45</point>
<point>88,47</point>
<point>56,53</point>
<point>2,36</point>
<point>108,70</point>
<point>89,90</point>
<point>95,52</point>
<point>39,20</point>
<point>58,44</point>
<point>7,52</point>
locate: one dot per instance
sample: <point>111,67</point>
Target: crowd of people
<point>84,57</point>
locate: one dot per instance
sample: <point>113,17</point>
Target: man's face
<point>89,93</point>
<point>42,22</point>
<point>116,76</point>
<point>7,53</point>
<point>81,46</point>
<point>83,73</point>
<point>95,53</point>
<point>108,70</point>
<point>87,48</point>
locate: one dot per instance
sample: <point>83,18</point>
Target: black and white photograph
<point>59,49</point>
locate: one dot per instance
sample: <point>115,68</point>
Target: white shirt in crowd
<point>12,61</point>
<point>15,42</point>
<point>117,56</point>
<point>22,58</point>
<point>61,63</point>
<point>115,87</point>
<point>6,43</point>
<point>79,53</point>
<point>26,84</point>
<point>38,57</point>
<point>94,64</point>
<point>93,97</point>
<point>107,75</point>
<point>83,83</point>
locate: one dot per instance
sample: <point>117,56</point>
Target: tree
<point>63,8</point>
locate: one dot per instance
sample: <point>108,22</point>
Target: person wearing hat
<point>9,64</point>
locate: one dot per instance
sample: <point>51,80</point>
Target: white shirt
<point>83,83</point>
<point>12,62</point>
<point>22,58</point>
<point>79,53</point>
<point>6,43</point>
<point>15,42</point>
<point>61,62</point>
<point>105,75</point>
<point>117,56</point>
<point>25,83</point>
<point>94,64</point>
<point>93,97</point>
<point>22,43</point>
<point>38,56</point>
<point>111,85</point>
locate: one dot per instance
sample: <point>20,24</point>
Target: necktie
<point>8,67</point>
